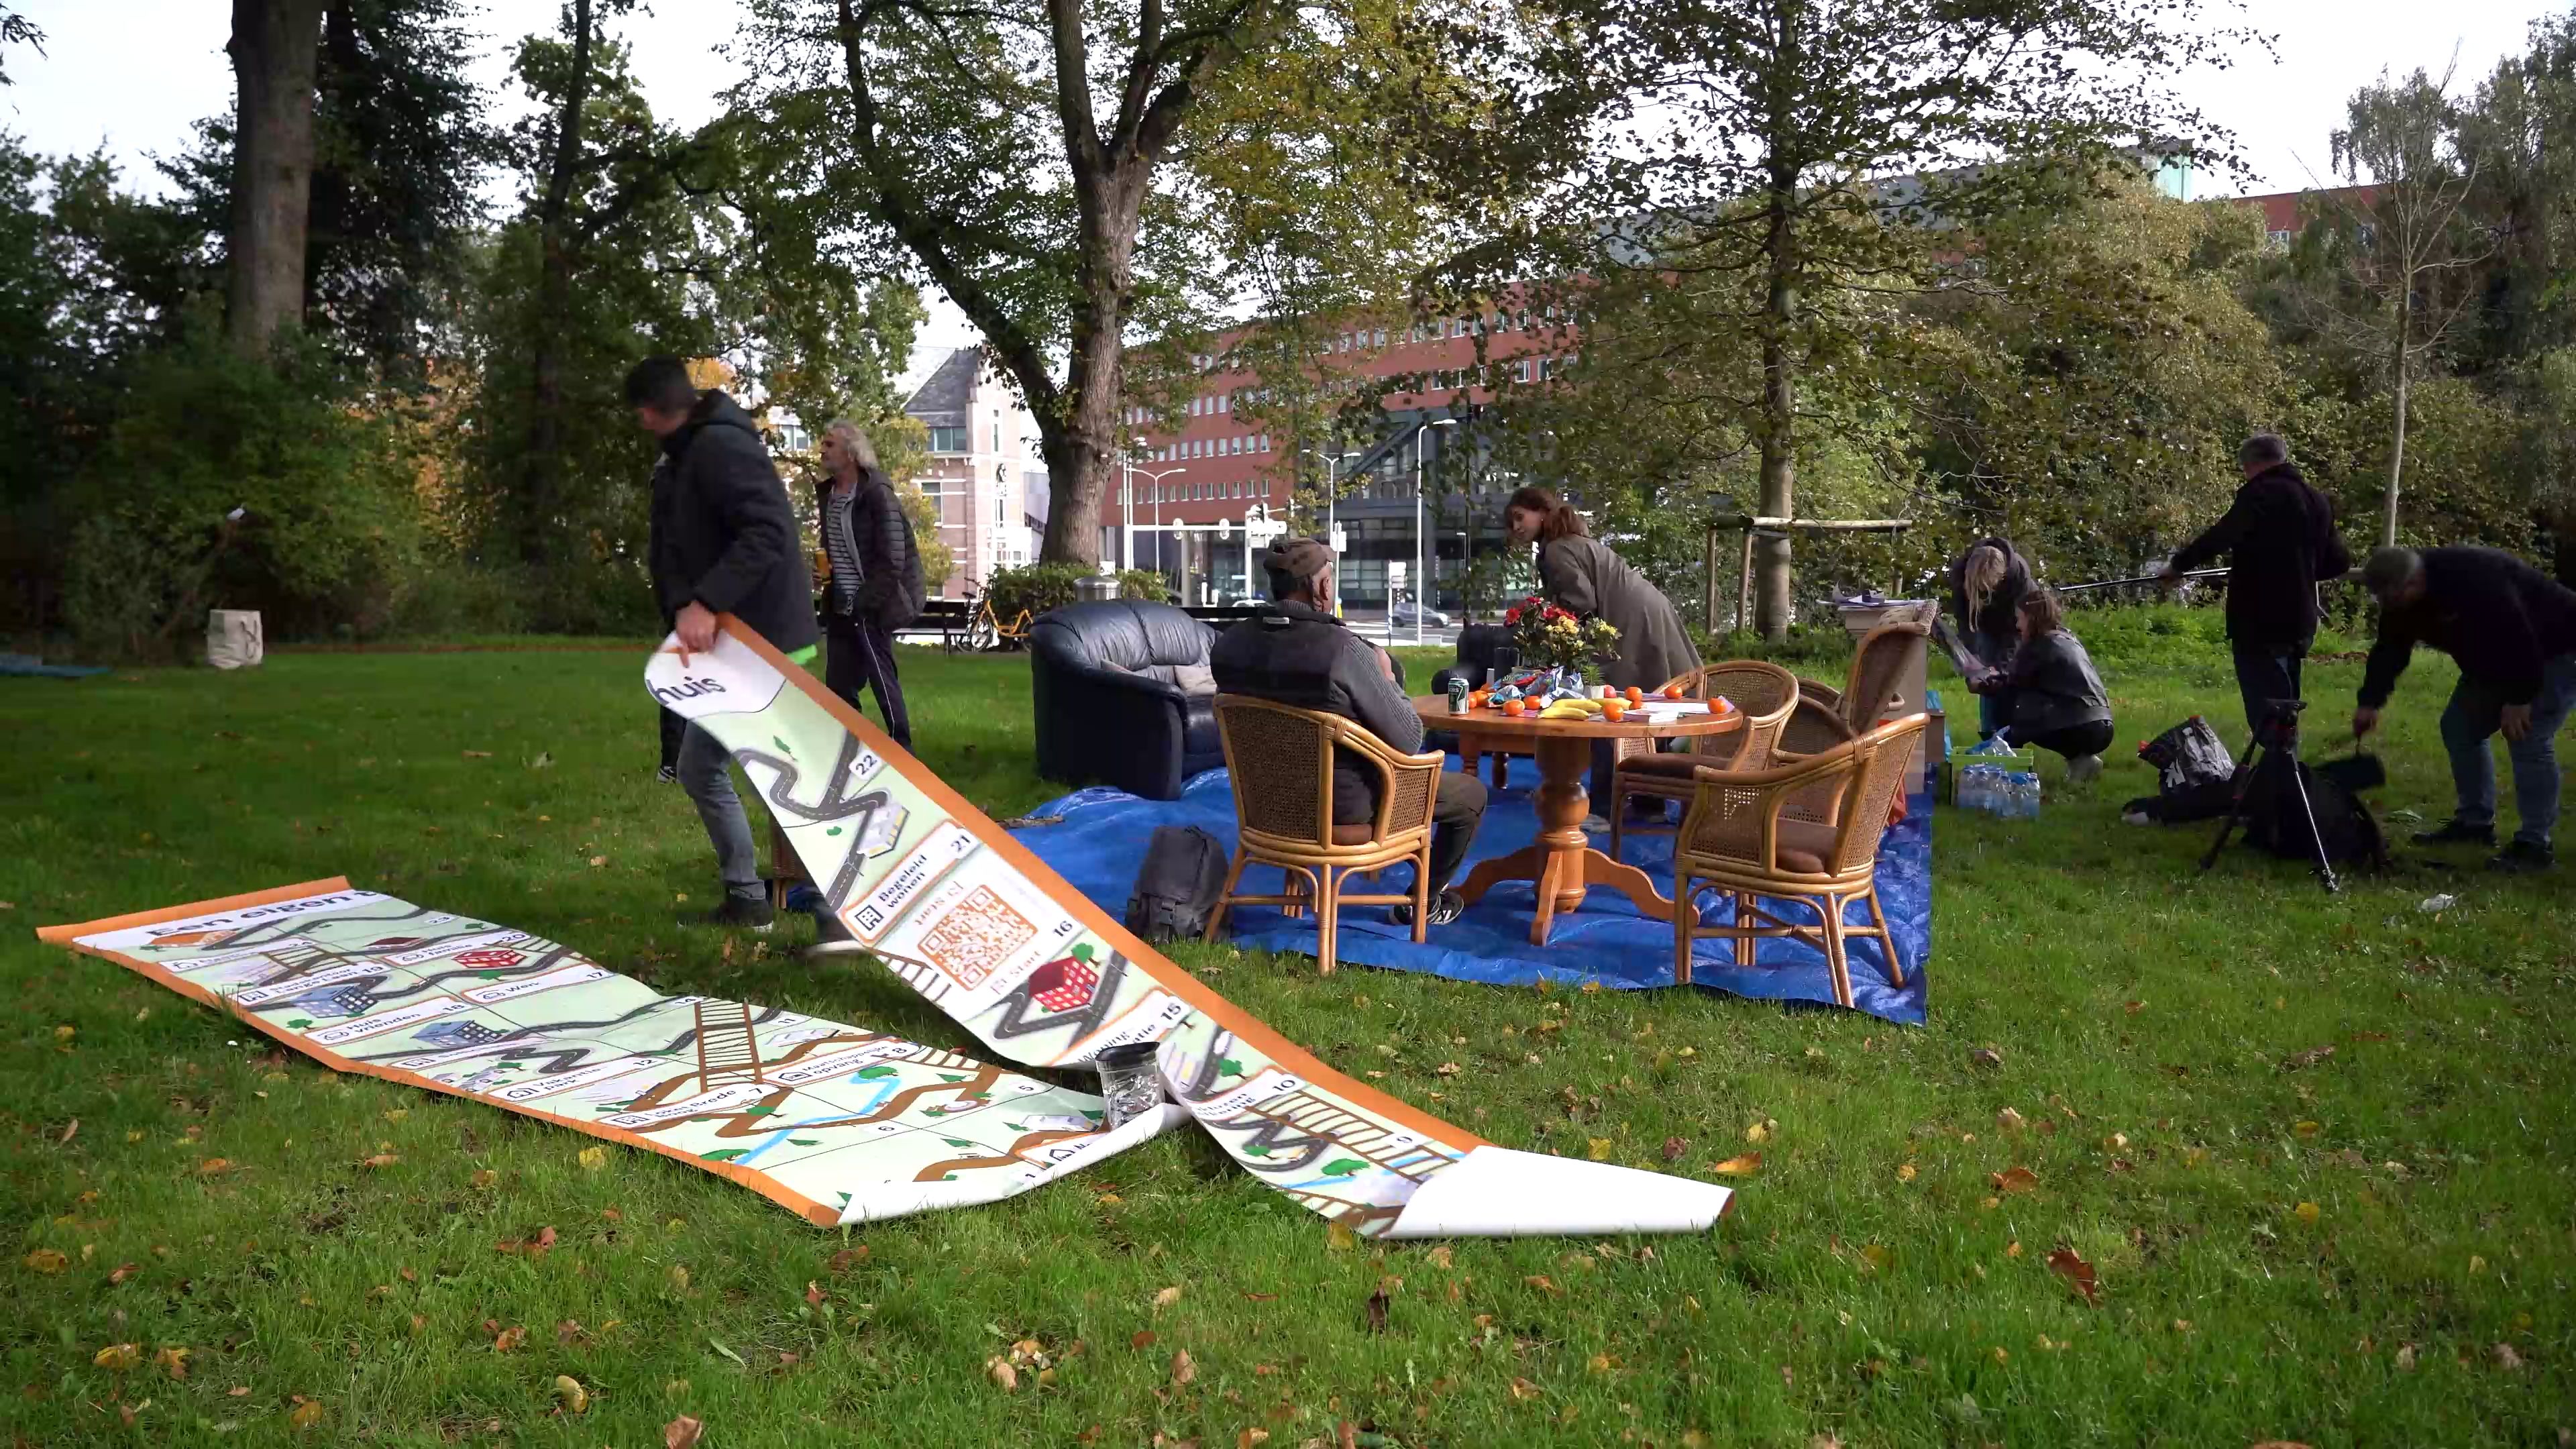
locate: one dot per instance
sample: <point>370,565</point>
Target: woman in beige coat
<point>1578,573</point>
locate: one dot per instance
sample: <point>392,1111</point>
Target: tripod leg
<point>2243,782</point>
<point>2325,867</point>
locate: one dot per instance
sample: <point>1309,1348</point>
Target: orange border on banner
<point>819,1214</point>
<point>1171,977</point>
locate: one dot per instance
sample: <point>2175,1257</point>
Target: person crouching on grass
<point>2052,697</point>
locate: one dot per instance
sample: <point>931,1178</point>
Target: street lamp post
<point>1158,504</point>
<point>1332,501</point>
<point>1420,578</point>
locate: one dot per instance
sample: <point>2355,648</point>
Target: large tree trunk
<point>1779,422</point>
<point>1078,437</point>
<point>543,494</point>
<point>273,48</point>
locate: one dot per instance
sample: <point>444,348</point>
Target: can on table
<point>1457,696</point>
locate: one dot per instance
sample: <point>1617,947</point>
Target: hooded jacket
<point>723,534</point>
<point>2279,536</point>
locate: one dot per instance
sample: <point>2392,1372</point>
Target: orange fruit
<point>1613,710</point>
<point>1515,708</point>
<point>1636,695</point>
<point>1672,691</point>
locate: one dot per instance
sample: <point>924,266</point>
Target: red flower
<point>1511,616</point>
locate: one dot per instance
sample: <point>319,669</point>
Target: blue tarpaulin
<point>1100,842</point>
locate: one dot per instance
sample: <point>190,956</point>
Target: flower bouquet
<point>1549,637</point>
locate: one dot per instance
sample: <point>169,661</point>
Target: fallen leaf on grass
<point>306,1414</point>
<point>1184,1368</point>
<point>1168,1296</point>
<point>381,1159</point>
<point>484,1178</point>
<point>2507,1359</point>
<point>2010,1120</point>
<point>1524,1390</point>
<point>1761,1131</point>
<point>999,1370</point>
<point>2306,1213</point>
<point>2308,1058</point>
<point>2015,1179</point>
<point>173,1360</point>
<point>1440,1256</point>
<point>1376,1311</point>
<point>2070,1265</point>
<point>1250,1437</point>
<point>1339,1238</point>
<point>2280,1444</point>
<point>2406,1358</point>
<point>46,1260</point>
<point>1142,1338</point>
<point>214,1166</point>
<point>1987,1057</point>
<point>592,1159</point>
<point>68,1133</point>
<point>569,1392</point>
<point>1905,1172</point>
<point>682,1433</point>
<point>1598,1148</point>
<point>814,1292</point>
<point>122,1272</point>
<point>842,1260</point>
<point>1674,1147</point>
<point>679,1277</point>
<point>1745,1166</point>
<point>2306,1129</point>
<point>1541,1282</point>
<point>119,1356</point>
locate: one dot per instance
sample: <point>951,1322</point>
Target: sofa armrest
<point>1108,725</point>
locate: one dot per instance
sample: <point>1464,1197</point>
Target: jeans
<point>859,654</point>
<point>2474,714</point>
<point>1995,650</point>
<point>703,763</point>
<point>2266,672</point>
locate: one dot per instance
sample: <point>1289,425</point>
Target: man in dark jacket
<point>2512,631</point>
<point>1298,654</point>
<point>873,584</point>
<point>2280,539</point>
<point>723,541</point>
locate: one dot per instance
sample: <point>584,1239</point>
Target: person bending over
<point>2052,697</point>
<point>1579,574</point>
<point>723,540</point>
<point>2279,536</point>
<point>1296,653</point>
<point>1987,586</point>
<point>2512,630</point>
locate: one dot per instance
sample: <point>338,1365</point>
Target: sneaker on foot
<point>2083,769</point>
<point>1445,907</point>
<point>2453,832</point>
<point>748,913</point>
<point>2521,857</point>
<point>831,938</point>
<point>667,775</point>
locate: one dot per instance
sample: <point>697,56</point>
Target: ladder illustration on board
<point>727,1050</point>
<point>1320,1118</point>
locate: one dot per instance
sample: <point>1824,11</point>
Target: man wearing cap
<point>1298,654</point>
<point>2512,630</point>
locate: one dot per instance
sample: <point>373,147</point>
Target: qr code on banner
<point>976,937</point>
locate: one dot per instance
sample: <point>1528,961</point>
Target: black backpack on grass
<point>1176,887</point>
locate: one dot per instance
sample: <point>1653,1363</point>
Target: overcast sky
<point>134,75</point>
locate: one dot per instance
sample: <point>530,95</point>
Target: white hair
<point>855,439</point>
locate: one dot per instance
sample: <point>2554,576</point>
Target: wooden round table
<point>1562,862</point>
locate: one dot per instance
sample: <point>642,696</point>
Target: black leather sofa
<point>1123,696</point>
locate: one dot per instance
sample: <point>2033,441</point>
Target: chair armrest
<point>1096,723</point>
<point>1393,768</point>
<point>1735,815</point>
<point>1814,726</point>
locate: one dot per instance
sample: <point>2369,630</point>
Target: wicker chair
<point>1768,695</point>
<point>1282,764</point>
<point>1826,717</point>
<point>1741,837</point>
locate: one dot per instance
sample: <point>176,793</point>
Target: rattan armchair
<point>1281,760</point>
<point>1826,717</point>
<point>1768,695</point>
<point>1741,837</point>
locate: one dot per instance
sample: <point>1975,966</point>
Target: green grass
<point>2150,1023</point>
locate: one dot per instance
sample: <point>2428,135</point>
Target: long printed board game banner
<point>839,1123</point>
<point>966,916</point>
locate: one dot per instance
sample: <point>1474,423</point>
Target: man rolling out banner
<point>2512,630</point>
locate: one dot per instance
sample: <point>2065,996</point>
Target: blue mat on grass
<point>1101,841</point>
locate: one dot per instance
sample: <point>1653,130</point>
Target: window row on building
<point>1160,492</point>
<point>1209,448</point>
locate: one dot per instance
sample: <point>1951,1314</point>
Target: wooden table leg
<point>1561,864</point>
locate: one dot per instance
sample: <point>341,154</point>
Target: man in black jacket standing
<point>724,541</point>
<point>1298,654</point>
<point>873,585</point>
<point>2512,631</point>
<point>2280,539</point>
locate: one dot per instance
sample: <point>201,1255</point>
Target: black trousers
<point>859,654</point>
<point>1456,811</point>
<point>2266,672</point>
<point>674,729</point>
<point>2074,741</point>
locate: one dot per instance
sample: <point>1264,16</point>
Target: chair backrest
<point>1132,634</point>
<point>1736,813</point>
<point>1768,695</point>
<point>1887,657</point>
<point>1877,778</point>
<point>1281,760</point>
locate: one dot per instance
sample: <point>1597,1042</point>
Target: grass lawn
<point>2369,1247</point>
